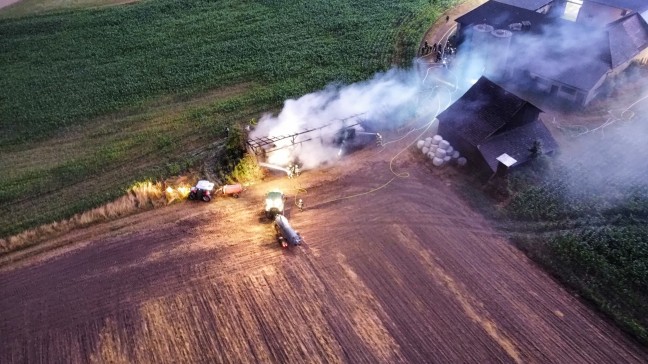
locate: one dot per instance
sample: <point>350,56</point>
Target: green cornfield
<point>92,100</point>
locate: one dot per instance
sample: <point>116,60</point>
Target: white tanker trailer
<point>286,235</point>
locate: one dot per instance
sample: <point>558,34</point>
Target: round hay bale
<point>431,155</point>
<point>447,158</point>
<point>441,153</point>
<point>449,150</point>
<point>437,161</point>
<point>428,139</point>
<point>462,161</point>
<point>425,150</point>
<point>444,144</point>
<point>420,143</point>
<point>455,155</point>
<point>433,148</point>
<point>436,139</point>
<point>427,143</point>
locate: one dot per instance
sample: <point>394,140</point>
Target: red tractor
<point>202,191</point>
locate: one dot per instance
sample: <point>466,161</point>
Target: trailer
<point>231,190</point>
<point>286,235</point>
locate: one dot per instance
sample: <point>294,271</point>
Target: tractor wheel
<point>206,198</point>
<point>192,196</point>
<point>236,195</point>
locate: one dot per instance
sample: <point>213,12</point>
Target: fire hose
<point>391,162</point>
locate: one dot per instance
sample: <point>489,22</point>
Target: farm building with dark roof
<point>540,6</point>
<point>566,60</point>
<point>489,121</point>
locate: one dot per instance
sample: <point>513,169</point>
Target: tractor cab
<point>202,191</point>
<point>274,203</point>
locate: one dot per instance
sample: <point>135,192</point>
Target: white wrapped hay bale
<point>462,161</point>
<point>420,143</point>
<point>431,155</point>
<point>455,155</point>
<point>436,139</point>
<point>444,144</point>
<point>441,153</point>
<point>433,148</point>
<point>447,158</point>
<point>425,150</point>
<point>437,161</point>
<point>449,150</point>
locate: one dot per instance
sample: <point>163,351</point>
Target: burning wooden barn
<point>488,122</point>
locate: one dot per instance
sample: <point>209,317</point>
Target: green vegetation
<point>593,236</point>
<point>94,100</point>
<point>26,7</point>
<point>72,66</point>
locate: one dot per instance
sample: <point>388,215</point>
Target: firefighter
<point>296,171</point>
<point>290,170</point>
<point>300,204</point>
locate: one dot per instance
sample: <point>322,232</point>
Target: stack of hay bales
<point>440,151</point>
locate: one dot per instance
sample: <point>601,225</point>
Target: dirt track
<point>4,3</point>
<point>408,273</point>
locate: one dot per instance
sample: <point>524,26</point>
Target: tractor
<point>274,204</point>
<point>202,191</point>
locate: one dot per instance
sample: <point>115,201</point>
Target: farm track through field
<point>409,273</point>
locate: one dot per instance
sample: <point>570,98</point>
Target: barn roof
<point>576,64</point>
<point>483,110</point>
<point>634,5</point>
<point>628,37</point>
<point>527,4</point>
<point>500,15</point>
<point>516,143</point>
<point>580,65</point>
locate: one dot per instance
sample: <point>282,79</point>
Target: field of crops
<point>585,217</point>
<point>95,99</point>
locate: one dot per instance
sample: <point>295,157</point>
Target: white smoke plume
<point>386,101</point>
<point>558,50</point>
<point>604,152</point>
<point>603,147</point>
<point>607,156</point>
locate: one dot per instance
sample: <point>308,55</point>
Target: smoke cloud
<point>606,158</point>
<point>561,50</point>
<point>390,100</point>
<point>387,101</point>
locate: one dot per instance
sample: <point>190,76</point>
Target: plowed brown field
<point>408,273</point>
